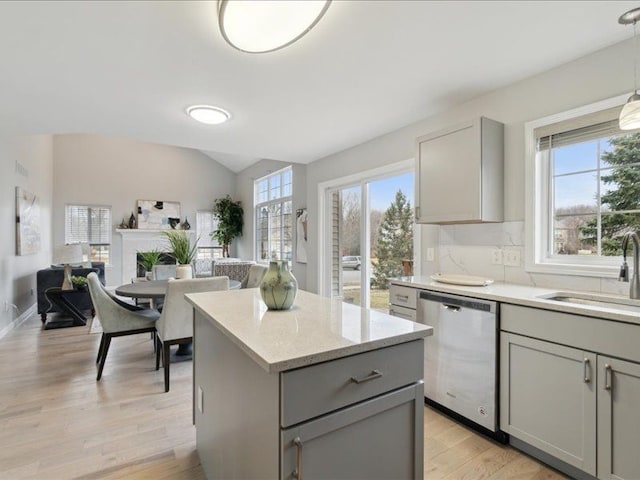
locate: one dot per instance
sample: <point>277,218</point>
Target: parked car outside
<point>352,262</point>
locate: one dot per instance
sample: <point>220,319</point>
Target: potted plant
<point>182,251</point>
<point>148,260</point>
<point>230,217</point>
<point>79,283</point>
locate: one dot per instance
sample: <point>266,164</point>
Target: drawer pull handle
<point>405,298</point>
<point>372,376</point>
<point>607,377</point>
<point>297,473</point>
<point>586,370</point>
<point>401,315</point>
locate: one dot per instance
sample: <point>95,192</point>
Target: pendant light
<point>630,114</point>
<point>260,26</point>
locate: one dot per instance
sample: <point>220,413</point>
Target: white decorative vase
<point>278,287</point>
<point>184,272</point>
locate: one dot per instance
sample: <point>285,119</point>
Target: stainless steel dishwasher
<point>460,365</point>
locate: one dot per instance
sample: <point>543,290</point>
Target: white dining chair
<point>254,276</point>
<point>175,325</point>
<point>163,272</point>
<point>117,318</point>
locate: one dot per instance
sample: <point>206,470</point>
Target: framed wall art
<point>301,235</point>
<point>158,214</point>
<point>27,223</point>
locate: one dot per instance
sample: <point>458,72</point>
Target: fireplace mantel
<point>136,240</point>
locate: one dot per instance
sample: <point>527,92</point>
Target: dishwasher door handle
<point>451,308</point>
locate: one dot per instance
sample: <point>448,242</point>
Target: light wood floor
<point>57,422</point>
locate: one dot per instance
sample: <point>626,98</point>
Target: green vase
<point>279,287</point>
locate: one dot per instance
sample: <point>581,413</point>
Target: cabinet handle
<point>451,308</point>
<point>297,473</point>
<point>404,297</point>
<point>372,376</point>
<point>607,377</point>
<point>418,213</point>
<point>586,370</point>
<point>401,315</point>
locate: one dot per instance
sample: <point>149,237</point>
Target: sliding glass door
<point>370,236</point>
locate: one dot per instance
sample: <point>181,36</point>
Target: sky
<point>579,189</point>
<point>383,192</point>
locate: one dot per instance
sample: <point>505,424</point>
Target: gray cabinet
<point>566,391</point>
<point>403,301</point>
<point>460,172</point>
<point>369,440</point>
<point>618,419</point>
<point>549,398</point>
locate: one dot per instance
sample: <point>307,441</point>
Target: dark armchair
<point>52,277</point>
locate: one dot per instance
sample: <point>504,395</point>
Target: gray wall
<point>604,74</point>
<point>245,179</point>
<point>17,273</point>
<point>92,169</point>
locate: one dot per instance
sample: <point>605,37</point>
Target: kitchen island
<point>324,390</point>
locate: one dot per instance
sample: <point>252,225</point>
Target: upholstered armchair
<point>117,318</point>
<point>52,277</point>
<point>234,269</point>
<point>254,277</point>
<point>175,325</point>
<point>202,267</point>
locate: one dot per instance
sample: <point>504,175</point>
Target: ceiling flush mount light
<point>630,114</point>
<point>260,26</point>
<point>208,114</point>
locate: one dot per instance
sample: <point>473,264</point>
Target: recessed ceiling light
<point>208,114</point>
<point>259,26</point>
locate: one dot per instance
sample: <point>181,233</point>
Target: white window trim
<point>323,265</point>
<point>537,216</point>
<point>288,198</point>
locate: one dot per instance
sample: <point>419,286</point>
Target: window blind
<point>597,125</point>
<point>205,225</point>
<point>88,224</point>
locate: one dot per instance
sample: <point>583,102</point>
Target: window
<point>273,216</point>
<point>89,224</point>
<point>587,192</point>
<point>208,248</point>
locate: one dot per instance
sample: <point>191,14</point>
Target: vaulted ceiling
<point>369,67</point>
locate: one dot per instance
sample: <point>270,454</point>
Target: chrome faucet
<point>634,288</point>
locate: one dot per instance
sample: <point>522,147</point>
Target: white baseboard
<point>16,322</point>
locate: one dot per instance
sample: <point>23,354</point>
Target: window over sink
<point>583,190</point>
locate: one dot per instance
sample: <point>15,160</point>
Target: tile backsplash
<point>468,249</point>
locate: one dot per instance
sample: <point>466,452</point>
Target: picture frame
<point>302,235</point>
<point>158,214</point>
<point>28,240</point>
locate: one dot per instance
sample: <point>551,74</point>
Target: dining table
<point>156,290</point>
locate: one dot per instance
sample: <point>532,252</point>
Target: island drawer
<point>403,296</point>
<point>317,389</point>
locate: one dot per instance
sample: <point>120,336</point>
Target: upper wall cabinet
<point>460,173</point>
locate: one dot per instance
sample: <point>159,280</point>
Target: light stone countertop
<point>528,296</point>
<point>316,329</point>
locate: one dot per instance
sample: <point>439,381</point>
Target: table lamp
<point>66,255</point>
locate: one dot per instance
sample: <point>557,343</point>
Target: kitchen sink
<point>615,303</point>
